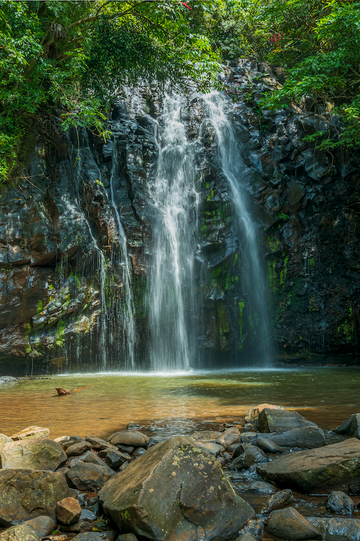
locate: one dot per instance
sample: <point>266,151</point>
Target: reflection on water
<point>176,403</point>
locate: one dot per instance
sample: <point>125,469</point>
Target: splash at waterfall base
<point>65,308</point>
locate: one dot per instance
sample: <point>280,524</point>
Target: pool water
<point>175,403</point>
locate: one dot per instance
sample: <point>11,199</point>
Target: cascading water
<point>174,201</point>
<point>128,324</point>
<point>253,297</point>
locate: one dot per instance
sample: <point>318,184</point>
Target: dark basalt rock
<point>290,525</point>
<point>340,503</point>
<point>86,476</point>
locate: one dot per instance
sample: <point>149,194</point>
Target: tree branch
<point>96,16</point>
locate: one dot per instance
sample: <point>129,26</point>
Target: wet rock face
<point>53,228</point>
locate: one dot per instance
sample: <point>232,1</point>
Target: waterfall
<point>174,201</point>
<point>128,324</point>
<point>253,296</point>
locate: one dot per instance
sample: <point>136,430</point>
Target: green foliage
<point>318,44</point>
<point>71,57</point>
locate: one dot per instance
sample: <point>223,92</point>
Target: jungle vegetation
<point>71,57</point>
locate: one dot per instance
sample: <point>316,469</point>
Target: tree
<point>74,55</point>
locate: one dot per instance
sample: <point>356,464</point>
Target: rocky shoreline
<point>277,476</point>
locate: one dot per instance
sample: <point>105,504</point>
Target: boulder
<point>26,494</point>
<point>206,436</point>
<point>304,438</point>
<point>99,444</point>
<point>212,448</point>
<point>31,432</point>
<point>62,439</point>
<point>34,454</point>
<point>42,525</point>
<point>78,449</point>
<point>91,477</point>
<point>93,458</point>
<point>172,491</point>
<point>268,446</point>
<point>254,455</point>
<point>340,503</point>
<point>229,437</point>
<point>351,426</point>
<point>253,413</point>
<point>277,420</point>
<point>318,471</point>
<point>130,437</point>
<point>3,439</point>
<point>115,459</point>
<point>290,525</point>
<point>65,444</point>
<point>343,528</point>
<point>68,511</point>
<point>21,532</point>
<point>8,379</point>
<point>278,501</point>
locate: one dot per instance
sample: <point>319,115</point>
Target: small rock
<point>206,436</point>
<point>99,444</point>
<point>8,379</point>
<point>31,432</point>
<point>351,426</point>
<point>254,455</point>
<point>239,463</point>
<point>68,511</point>
<point>212,448</point>
<point>268,446</point>
<point>36,454</point>
<point>127,537</point>
<point>96,536</point>
<point>127,448</point>
<point>340,503</point>
<point>229,437</point>
<point>90,477</point>
<point>133,426</point>
<point>76,459</point>
<point>130,437</point>
<point>264,488</point>
<point>78,449</point>
<point>277,420</point>
<point>124,466</point>
<point>115,459</point>
<point>246,537</point>
<point>255,528</point>
<point>61,392</point>
<point>250,427</point>
<point>71,441</point>
<point>250,438</point>
<point>290,525</point>
<point>88,515</point>
<point>21,532</point>
<point>253,414</point>
<point>305,438</point>
<point>93,458</point>
<point>278,501</point>
<point>138,452</point>
<point>62,439</point>
<point>337,527</point>
<point>233,447</point>
<point>42,525</point>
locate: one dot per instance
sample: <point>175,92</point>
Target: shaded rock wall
<point>59,216</point>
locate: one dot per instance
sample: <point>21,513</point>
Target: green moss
<point>216,272</point>
<point>312,262</point>
<point>272,275</point>
<point>274,244</point>
<point>60,330</point>
<point>235,259</point>
<point>39,307</point>
<point>210,196</point>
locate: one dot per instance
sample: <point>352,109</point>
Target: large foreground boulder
<point>35,454</point>
<point>25,494</point>
<point>277,420</point>
<point>318,471</point>
<point>21,532</point>
<point>171,492</point>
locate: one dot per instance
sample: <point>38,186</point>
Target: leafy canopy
<point>76,54</point>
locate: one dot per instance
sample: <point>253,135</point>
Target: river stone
<point>62,439</point>
<point>78,449</point>
<point>34,454</point>
<point>95,536</point>
<point>65,444</point>
<point>172,490</point>
<point>276,420</point>
<point>318,471</point>
<point>127,537</point>
<point>345,528</point>
<point>253,413</point>
<point>26,494</point>
<point>93,458</point>
<point>290,525</point>
<point>206,436</point>
<point>3,439</point>
<point>246,537</point>
<point>351,426</point>
<point>304,438</point>
<point>212,448</point>
<point>229,437</point>
<point>85,476</point>
<point>42,525</point>
<point>99,444</point>
<point>115,459</point>
<point>340,503</point>
<point>8,379</point>
<point>68,511</point>
<point>254,528</point>
<point>21,532</point>
<point>254,455</point>
<point>130,437</point>
<point>268,446</point>
<point>278,501</point>
<point>31,432</point>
